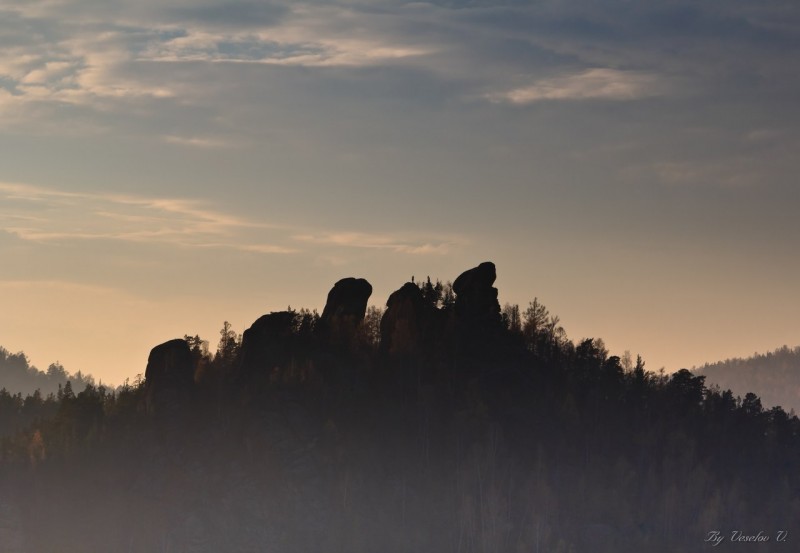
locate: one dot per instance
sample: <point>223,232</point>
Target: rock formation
<point>414,328</point>
<point>476,299</point>
<point>344,311</point>
<point>407,326</point>
<point>477,324</point>
<point>169,377</point>
<point>267,343</point>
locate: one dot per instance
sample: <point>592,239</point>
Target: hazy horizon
<point>169,167</point>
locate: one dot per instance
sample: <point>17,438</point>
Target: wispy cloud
<point>592,84</point>
<point>413,245</point>
<point>99,62</point>
<point>86,216</point>
<point>279,47</point>
<point>61,285</point>
<point>95,54</point>
<point>96,216</point>
<point>207,143</point>
<point>257,248</point>
<point>735,172</point>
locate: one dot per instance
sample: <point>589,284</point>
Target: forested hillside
<point>440,423</point>
<point>773,376</point>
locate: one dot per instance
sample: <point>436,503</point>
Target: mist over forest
<point>441,422</point>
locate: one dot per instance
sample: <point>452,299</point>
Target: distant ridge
<point>773,376</point>
<point>17,375</point>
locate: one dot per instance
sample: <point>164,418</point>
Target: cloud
<point>56,284</point>
<point>45,215</point>
<point>395,243</point>
<point>733,173</point>
<point>285,47</point>
<point>88,62</point>
<point>113,59</point>
<point>741,171</point>
<point>81,216</point>
<point>197,142</point>
<point>258,248</point>
<point>592,84</point>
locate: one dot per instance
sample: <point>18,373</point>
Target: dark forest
<point>442,423</point>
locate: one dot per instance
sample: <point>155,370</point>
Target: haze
<point>166,167</point>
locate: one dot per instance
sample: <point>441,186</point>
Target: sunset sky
<point>166,166</point>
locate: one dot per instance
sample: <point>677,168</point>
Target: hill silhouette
<point>773,376</point>
<point>18,376</point>
<point>443,422</point>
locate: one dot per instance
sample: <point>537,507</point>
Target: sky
<point>167,166</point>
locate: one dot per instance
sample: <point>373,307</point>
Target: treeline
<point>501,434</point>
<point>774,376</point>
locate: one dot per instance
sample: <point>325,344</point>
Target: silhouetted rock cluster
<point>413,330</point>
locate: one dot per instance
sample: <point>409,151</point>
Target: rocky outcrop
<point>267,344</point>
<point>344,311</point>
<point>347,301</point>
<point>414,328</point>
<point>476,299</point>
<point>169,377</point>
<point>407,326</point>
<point>476,325</point>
